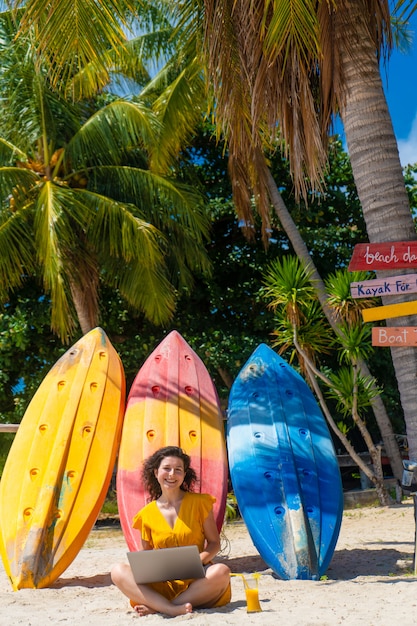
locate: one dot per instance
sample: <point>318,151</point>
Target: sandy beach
<point>369,581</point>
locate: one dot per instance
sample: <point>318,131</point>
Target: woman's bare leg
<point>148,600</point>
<point>205,591</point>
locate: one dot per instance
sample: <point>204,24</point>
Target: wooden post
<point>415,533</point>
<point>9,428</point>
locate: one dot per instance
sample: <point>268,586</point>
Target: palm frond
<point>145,288</point>
<point>72,33</point>
<point>134,60</point>
<point>289,30</point>
<point>162,200</point>
<point>16,183</point>
<point>344,382</point>
<point>9,153</point>
<point>56,212</point>
<point>31,108</point>
<point>179,107</point>
<point>116,231</point>
<point>130,253</point>
<point>111,133</point>
<point>175,210</point>
<point>149,50</point>
<point>17,258</point>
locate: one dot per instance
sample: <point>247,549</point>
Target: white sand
<point>370,581</point>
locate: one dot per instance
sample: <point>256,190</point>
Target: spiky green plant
<point>347,308</point>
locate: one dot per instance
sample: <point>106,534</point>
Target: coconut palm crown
<point>79,202</point>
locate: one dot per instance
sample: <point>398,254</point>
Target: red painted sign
<point>384,256</point>
<point>394,336</point>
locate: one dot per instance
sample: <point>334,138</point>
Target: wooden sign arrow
<point>394,336</point>
<point>384,256</point>
<point>393,285</point>
<point>390,310</point>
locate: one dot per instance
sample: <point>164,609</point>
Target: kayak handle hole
<point>86,431</point>
<point>34,472</point>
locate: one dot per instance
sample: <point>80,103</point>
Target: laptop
<point>152,566</point>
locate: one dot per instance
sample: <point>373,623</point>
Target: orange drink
<point>252,600</point>
<point>251,591</point>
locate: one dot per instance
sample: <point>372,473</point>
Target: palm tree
<point>79,203</point>
<point>291,66</point>
<point>375,162</point>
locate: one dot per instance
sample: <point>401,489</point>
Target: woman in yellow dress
<point>175,517</point>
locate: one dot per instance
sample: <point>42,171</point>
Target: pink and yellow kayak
<point>59,467</point>
<point>172,401</point>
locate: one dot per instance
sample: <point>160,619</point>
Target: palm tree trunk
<point>301,250</point>
<point>85,303</point>
<point>378,176</point>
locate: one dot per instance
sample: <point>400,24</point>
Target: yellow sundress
<point>188,530</point>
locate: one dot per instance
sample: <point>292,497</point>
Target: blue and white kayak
<point>283,467</point>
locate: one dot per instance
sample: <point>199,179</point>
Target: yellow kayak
<point>60,465</point>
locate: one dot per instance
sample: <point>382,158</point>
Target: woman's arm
<point>146,545</point>
<point>212,539</point>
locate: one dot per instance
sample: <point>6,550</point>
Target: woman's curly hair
<point>153,462</point>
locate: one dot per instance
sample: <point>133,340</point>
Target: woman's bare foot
<point>143,610</point>
<point>175,609</point>
<point>181,609</point>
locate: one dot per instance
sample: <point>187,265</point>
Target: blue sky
<point>401,94</point>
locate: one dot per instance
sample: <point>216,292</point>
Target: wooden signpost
<point>387,256</point>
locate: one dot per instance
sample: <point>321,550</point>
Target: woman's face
<point>170,473</point>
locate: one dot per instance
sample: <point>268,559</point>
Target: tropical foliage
<point>223,316</point>
<point>80,203</point>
